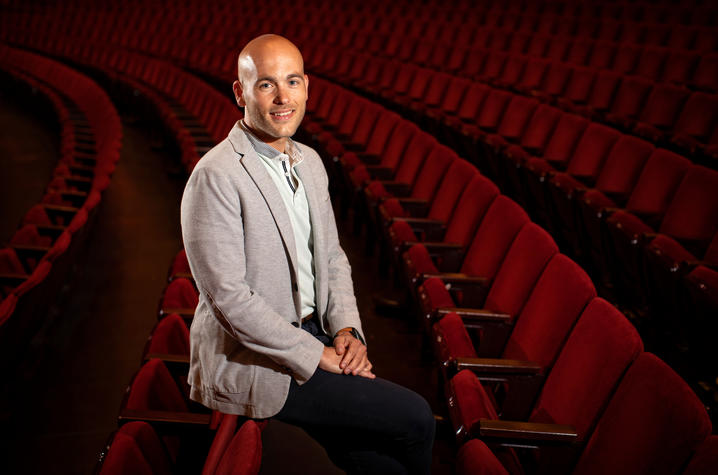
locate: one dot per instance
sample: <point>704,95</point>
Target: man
<point>277,332</point>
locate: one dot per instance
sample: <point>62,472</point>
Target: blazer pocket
<point>235,373</point>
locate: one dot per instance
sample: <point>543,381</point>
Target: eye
<point>265,85</point>
<point>294,82</point>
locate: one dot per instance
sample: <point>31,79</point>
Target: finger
<point>340,344</point>
<point>353,356</point>
<point>360,362</point>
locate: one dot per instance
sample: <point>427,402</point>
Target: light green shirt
<point>280,167</point>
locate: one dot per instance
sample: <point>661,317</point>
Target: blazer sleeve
<point>213,234</point>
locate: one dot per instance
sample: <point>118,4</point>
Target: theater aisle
<point>68,396</point>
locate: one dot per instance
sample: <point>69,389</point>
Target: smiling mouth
<point>282,115</point>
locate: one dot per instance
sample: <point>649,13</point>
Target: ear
<point>306,84</point>
<point>237,88</point>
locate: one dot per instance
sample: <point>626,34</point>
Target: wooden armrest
<point>524,430</point>
<point>168,358</point>
<point>446,255</point>
<point>497,365</point>
<point>76,197</point>
<point>183,275</point>
<point>416,207</point>
<point>458,278</point>
<point>185,313</point>
<point>165,418</point>
<point>438,246</point>
<point>477,315</point>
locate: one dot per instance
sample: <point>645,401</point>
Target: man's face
<point>273,90</point>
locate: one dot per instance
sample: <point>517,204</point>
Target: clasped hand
<point>347,356</point>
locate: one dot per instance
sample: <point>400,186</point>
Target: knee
<point>421,424</point>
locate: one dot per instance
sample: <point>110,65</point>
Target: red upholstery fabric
<point>7,307</point>
<point>154,389</point>
<point>475,458</point>
<point>170,336</point>
<point>418,260</point>
<point>558,298</point>
<point>180,264</point>
<point>697,120</point>
<point>670,249</point>
<point>451,339</point>
<point>592,150</point>
<point>651,405</point>
<point>180,293</point>
<point>599,349</point>
<point>565,136</point>
<point>432,171</point>
<point>657,182</point>
<point>9,262</point>
<point>623,165</point>
<point>417,151</point>
<point>392,208</point>
<point>222,438</point>
<point>28,236</point>
<point>693,212</point>
<point>400,231</point>
<point>135,448</point>
<point>705,458</point>
<point>525,261</point>
<point>540,127</point>
<point>244,454</point>
<point>497,230</point>
<point>434,294</point>
<point>470,210</point>
<point>470,400</point>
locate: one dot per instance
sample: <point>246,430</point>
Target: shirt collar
<point>264,149</point>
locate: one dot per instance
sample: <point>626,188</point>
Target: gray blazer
<point>246,341</point>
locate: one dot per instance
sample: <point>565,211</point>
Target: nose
<point>281,97</point>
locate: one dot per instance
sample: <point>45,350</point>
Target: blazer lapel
<point>251,162</point>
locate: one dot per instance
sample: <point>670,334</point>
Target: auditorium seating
<point>600,119</point>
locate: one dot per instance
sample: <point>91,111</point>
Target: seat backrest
<point>397,143</point>
<point>558,298</point>
<point>592,150</point>
<point>334,102</point>
<point>365,123</point>
<point>604,89</point>
<point>650,62</point>
<point>518,112</point>
<point>455,93</point>
<point>471,103</point>
<point>29,236</point>
<point>180,293</point>
<point>432,171</point>
<point>579,84</point>
<point>555,79</point>
<point>698,116</point>
<point>524,262</point>
<point>679,66</point>
<point>180,265</point>
<point>470,210</point>
<point>135,448</point>
<point>419,147</point>
<point>597,353</point>
<point>631,94</point>
<point>540,127</point>
<point>497,230</point>
<point>663,105</point>
<point>492,109</point>
<point>170,336</point>
<point>436,89</point>
<point>243,455</point>
<point>652,424</point>
<point>350,116</point>
<point>9,262</point>
<point>383,128</point>
<point>693,212</point>
<point>566,135</point>
<point>457,176</point>
<point>705,458</point>
<point>154,389</point>
<point>657,182</point>
<point>623,165</point>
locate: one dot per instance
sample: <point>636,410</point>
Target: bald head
<point>272,88</point>
<point>264,48</point>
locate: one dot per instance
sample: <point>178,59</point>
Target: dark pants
<point>366,426</point>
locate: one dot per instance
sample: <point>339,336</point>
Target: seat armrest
<point>415,206</point>
<point>181,275</point>
<point>168,358</point>
<point>12,279</point>
<point>396,188</point>
<point>428,229</point>
<point>497,366</point>
<point>166,419</point>
<point>458,278</point>
<point>503,431</point>
<point>446,255</point>
<point>476,315</point>
<point>378,172</point>
<point>185,313</point>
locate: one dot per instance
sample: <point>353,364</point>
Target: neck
<point>277,143</point>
